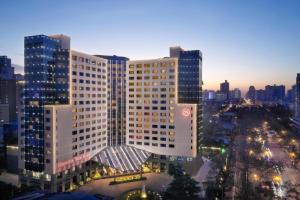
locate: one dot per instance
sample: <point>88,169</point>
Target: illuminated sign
<point>64,165</point>
<point>186,112</point>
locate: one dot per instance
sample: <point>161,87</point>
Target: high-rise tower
<point>65,113</point>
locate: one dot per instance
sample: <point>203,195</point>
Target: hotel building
<point>297,114</point>
<point>65,113</point>
<point>190,82</point>
<point>296,119</point>
<point>116,99</point>
<point>164,104</point>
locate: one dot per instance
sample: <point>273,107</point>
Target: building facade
<point>7,92</point>
<point>157,121</point>
<point>297,113</point>
<point>235,94</point>
<point>224,88</point>
<point>6,70</point>
<point>190,82</point>
<point>116,99</point>
<point>65,117</point>
<point>251,94</point>
<point>274,93</point>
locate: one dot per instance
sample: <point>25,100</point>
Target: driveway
<point>155,182</point>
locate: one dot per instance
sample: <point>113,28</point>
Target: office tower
<point>224,88</point>
<point>64,113</point>
<point>189,80</point>
<point>298,96</point>
<point>251,94</point>
<point>116,99</point>
<point>156,121</point>
<point>7,91</point>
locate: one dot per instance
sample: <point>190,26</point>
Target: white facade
<point>74,133</point>
<point>89,100</point>
<point>58,138</point>
<point>156,122</point>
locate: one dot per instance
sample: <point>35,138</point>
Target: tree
<point>182,187</point>
<point>213,192</point>
<point>175,170</point>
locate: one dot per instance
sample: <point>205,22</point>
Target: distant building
<point>235,94</point>
<point>291,94</point>
<point>275,93</point>
<point>7,91</point>
<point>209,95</point>
<point>260,95</point>
<point>220,96</point>
<point>6,70</point>
<point>251,93</point>
<point>224,88</point>
<point>291,99</point>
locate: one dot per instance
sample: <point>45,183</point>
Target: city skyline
<point>236,45</point>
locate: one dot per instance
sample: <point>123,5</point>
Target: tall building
<point>291,94</point>
<point>275,93</point>
<point>224,88</point>
<point>116,99</point>
<point>260,95</point>
<point>7,92</point>
<point>162,117</point>
<point>298,96</point>
<point>65,117</point>
<point>235,94</point>
<point>251,94</point>
<point>189,80</point>
<point>6,70</point>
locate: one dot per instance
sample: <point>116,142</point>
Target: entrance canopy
<point>122,158</point>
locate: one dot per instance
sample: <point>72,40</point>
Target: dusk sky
<point>245,42</point>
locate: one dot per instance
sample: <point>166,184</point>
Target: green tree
<point>182,187</point>
<point>175,170</point>
<point>213,192</point>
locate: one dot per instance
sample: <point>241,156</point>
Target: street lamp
<point>277,179</point>
<point>256,177</point>
<point>251,152</point>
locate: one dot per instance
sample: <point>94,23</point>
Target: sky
<point>253,42</point>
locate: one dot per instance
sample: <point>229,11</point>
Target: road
<point>290,175</point>
<point>203,171</point>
